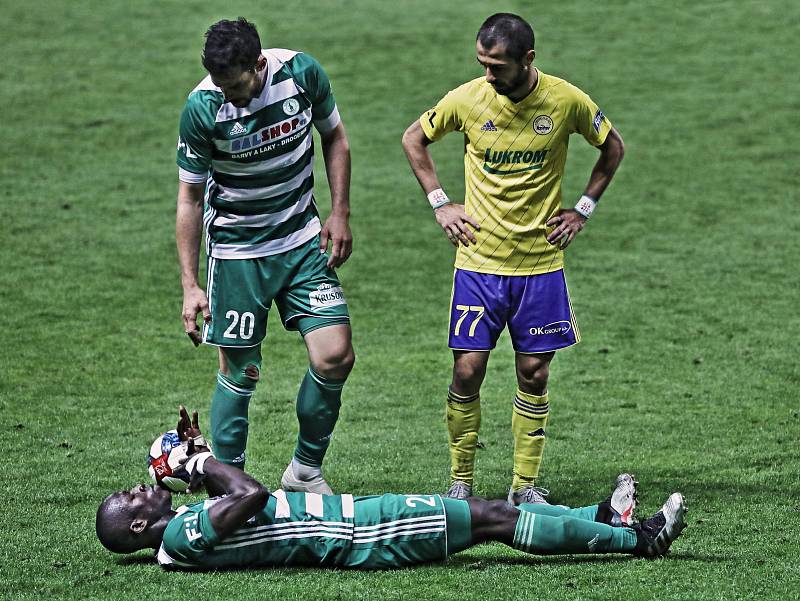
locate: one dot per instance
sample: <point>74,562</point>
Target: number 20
<point>465,310</point>
<point>246,325</point>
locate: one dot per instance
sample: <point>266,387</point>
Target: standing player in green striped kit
<point>251,527</point>
<point>246,149</point>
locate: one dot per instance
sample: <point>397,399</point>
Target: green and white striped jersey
<point>308,529</point>
<point>258,160</point>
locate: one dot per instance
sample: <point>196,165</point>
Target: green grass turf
<point>685,284</point>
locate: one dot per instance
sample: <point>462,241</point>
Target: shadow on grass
<point>465,562</point>
<point>136,559</point>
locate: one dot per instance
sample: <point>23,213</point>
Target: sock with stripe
<point>318,403</point>
<point>463,423</point>
<point>230,403</point>
<point>528,422</point>
<point>229,423</point>
<point>584,513</point>
<point>547,535</point>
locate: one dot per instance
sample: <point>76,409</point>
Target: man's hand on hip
<point>195,302</point>
<point>568,223</point>
<point>455,222</point>
<point>336,231</point>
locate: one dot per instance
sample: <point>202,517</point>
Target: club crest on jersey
<point>291,106</point>
<point>326,296</point>
<point>543,125</point>
<point>599,117</point>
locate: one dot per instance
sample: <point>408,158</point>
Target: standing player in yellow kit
<point>510,233</point>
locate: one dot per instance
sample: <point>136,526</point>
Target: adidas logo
<point>237,129</point>
<point>488,126</point>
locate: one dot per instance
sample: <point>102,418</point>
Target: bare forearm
<point>415,145</point>
<point>188,227</point>
<point>611,153</point>
<point>336,152</point>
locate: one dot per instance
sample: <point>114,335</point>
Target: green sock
<point>318,403</point>
<point>548,535</point>
<point>229,420</point>
<point>584,513</point>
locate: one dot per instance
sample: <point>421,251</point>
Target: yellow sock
<point>528,423</point>
<point>463,423</point>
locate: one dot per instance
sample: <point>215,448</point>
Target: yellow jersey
<point>514,160</point>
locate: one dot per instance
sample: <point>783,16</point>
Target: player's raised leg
<point>331,358</point>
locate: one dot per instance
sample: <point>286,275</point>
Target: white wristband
<point>196,462</point>
<point>586,206</point>
<point>438,198</point>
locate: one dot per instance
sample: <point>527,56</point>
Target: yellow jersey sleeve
<point>443,118</point>
<point>590,121</point>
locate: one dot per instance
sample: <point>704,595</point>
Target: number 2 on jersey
<point>412,501</point>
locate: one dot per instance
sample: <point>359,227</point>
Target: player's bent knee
<point>336,364</point>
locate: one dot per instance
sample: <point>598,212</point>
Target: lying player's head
<point>125,519</point>
<point>505,49</point>
<point>232,56</point>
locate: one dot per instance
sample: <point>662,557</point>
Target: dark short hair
<point>231,46</point>
<point>510,30</point>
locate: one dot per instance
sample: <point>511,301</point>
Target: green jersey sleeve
<point>187,538</point>
<point>310,75</point>
<point>196,126</point>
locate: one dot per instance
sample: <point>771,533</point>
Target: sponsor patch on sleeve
<point>599,117</point>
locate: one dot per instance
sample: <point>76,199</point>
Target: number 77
<point>465,310</point>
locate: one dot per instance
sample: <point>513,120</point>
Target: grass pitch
<point>684,284</point>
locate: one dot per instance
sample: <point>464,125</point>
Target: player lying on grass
<point>248,526</point>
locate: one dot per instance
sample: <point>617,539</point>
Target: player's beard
<point>515,84</point>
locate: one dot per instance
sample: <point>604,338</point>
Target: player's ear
<point>529,57</point>
<point>261,63</point>
<point>138,525</point>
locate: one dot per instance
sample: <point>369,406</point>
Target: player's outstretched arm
<point>454,220</point>
<point>336,152</point>
<point>188,227</point>
<point>568,222</point>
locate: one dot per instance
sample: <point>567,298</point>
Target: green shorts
<point>240,293</point>
<point>393,531</point>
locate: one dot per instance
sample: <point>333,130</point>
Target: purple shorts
<point>535,307</point>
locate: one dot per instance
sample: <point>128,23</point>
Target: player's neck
<point>527,87</point>
<point>156,531</point>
